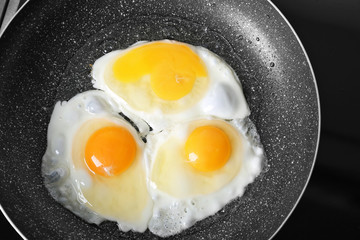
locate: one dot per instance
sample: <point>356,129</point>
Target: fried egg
<point>94,162</point>
<point>164,142</point>
<point>196,168</point>
<point>166,82</point>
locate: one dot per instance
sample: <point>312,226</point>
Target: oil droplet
<point>272,64</point>
<point>257,39</point>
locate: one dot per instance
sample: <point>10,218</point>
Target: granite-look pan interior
<point>45,56</point>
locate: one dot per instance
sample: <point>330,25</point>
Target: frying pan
<point>45,56</point>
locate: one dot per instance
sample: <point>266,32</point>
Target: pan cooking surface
<point>45,57</point>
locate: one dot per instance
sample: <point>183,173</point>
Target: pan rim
<point>318,109</point>
<point>1,208</point>
<point>12,18</point>
<point>11,222</point>
<point>319,118</point>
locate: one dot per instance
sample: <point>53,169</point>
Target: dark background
<point>330,206</point>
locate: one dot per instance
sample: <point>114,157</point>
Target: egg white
<point>223,98</point>
<point>172,214</point>
<point>66,181</point>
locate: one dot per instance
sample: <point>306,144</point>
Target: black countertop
<point>330,206</point>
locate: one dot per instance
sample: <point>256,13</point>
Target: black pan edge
<point>319,114</point>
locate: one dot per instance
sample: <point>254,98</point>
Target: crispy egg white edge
<point>230,102</point>
<point>61,179</point>
<point>172,215</point>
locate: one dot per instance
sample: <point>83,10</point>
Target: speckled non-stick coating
<point>45,55</point>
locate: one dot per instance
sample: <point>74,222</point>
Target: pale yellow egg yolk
<point>173,68</point>
<point>208,148</point>
<point>110,151</point>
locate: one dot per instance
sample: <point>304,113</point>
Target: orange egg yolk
<point>208,148</point>
<point>110,151</point>
<point>173,68</point>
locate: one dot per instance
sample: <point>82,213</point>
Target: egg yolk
<point>110,151</point>
<point>173,68</point>
<point>208,148</point>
